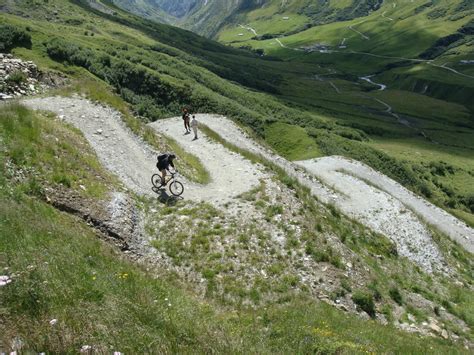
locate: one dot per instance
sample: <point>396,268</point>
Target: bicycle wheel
<point>156,180</point>
<point>176,188</point>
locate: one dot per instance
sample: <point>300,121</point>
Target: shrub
<point>425,190</point>
<point>17,77</point>
<point>11,37</point>
<point>365,301</point>
<point>396,295</point>
<point>469,202</point>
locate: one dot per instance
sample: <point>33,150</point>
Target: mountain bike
<point>176,187</point>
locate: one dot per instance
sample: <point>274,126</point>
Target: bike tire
<point>176,188</point>
<point>156,180</point>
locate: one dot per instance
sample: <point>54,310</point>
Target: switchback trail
<point>359,191</point>
<point>399,208</point>
<point>231,174</point>
<point>134,162</point>
<point>117,148</point>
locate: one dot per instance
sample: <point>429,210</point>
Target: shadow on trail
<point>165,198</point>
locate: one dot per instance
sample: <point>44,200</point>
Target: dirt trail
<point>248,28</point>
<point>364,36</point>
<point>382,204</point>
<point>435,216</point>
<point>388,208</point>
<point>133,161</point>
<point>231,174</point>
<point>391,209</point>
<point>117,148</point>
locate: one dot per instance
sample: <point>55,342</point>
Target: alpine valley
<point>324,204</point>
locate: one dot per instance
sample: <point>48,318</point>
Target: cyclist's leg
<point>163,177</point>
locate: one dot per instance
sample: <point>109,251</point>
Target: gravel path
<point>377,209</point>
<point>433,215</point>
<point>231,174</point>
<point>117,148</point>
<point>383,205</point>
<point>134,162</point>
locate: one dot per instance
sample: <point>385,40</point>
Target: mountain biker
<point>163,164</point>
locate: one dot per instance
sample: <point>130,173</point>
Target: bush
<point>11,37</point>
<point>365,301</point>
<point>396,295</point>
<point>469,202</point>
<point>17,77</point>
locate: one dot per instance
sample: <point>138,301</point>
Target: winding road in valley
<point>248,28</point>
<point>382,87</point>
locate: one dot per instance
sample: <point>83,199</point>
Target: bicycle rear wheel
<point>176,188</point>
<point>156,180</point>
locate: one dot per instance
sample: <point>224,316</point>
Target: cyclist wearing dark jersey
<point>164,162</point>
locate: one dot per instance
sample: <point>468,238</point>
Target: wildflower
<point>85,348</point>
<point>94,278</point>
<point>5,280</point>
<point>53,321</point>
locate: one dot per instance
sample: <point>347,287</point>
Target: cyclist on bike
<point>164,162</point>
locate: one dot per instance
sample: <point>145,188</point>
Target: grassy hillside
<point>413,48</point>
<point>72,290</point>
<point>62,271</point>
<point>159,69</point>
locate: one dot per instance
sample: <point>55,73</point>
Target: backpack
<point>162,157</point>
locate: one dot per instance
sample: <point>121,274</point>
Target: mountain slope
<point>207,17</point>
<point>261,265</point>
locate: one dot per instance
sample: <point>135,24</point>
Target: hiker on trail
<point>186,121</point>
<point>194,125</point>
<point>163,165</point>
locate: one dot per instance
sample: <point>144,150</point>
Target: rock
<point>343,308</point>
<point>435,328</point>
<point>444,334</point>
<point>85,348</point>
<point>5,97</point>
<point>99,131</point>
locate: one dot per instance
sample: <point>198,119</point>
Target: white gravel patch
<point>383,205</point>
<point>231,174</point>
<point>117,148</point>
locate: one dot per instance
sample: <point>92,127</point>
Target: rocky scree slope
<point>19,78</point>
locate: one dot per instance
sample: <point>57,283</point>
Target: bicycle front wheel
<point>156,180</point>
<point>176,188</point>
